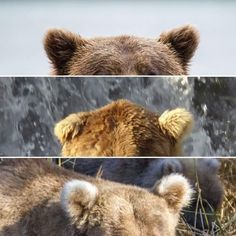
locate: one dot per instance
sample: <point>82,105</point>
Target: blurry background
<point>24,23</point>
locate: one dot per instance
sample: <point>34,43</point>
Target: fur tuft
<point>175,189</point>
<point>183,40</point>
<point>177,123</point>
<point>60,45</point>
<point>77,198</point>
<point>69,127</point>
<point>74,186</point>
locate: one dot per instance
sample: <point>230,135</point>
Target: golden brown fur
<point>170,54</point>
<point>37,198</point>
<point>123,128</point>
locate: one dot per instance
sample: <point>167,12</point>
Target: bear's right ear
<point>176,191</point>
<point>71,126</point>
<point>77,199</point>
<point>60,46</point>
<point>183,41</point>
<point>177,123</point>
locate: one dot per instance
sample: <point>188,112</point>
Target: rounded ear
<point>176,191</point>
<point>176,123</point>
<point>60,45</point>
<point>77,198</point>
<point>211,165</point>
<point>170,165</point>
<point>71,126</point>
<point>183,41</point>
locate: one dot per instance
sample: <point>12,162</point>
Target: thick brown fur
<point>37,198</point>
<point>170,54</point>
<point>202,173</point>
<point>123,128</point>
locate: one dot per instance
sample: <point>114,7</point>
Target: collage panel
<point>117,196</point>
<point>22,47</point>
<point>89,120</point>
<point>118,116</point>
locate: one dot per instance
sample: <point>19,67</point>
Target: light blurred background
<point>24,23</point>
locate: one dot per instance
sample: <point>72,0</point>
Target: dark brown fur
<point>170,54</point>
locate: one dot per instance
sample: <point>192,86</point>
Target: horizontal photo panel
<point>117,116</point>
<point>53,196</point>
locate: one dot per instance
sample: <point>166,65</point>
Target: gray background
<point>30,107</point>
<point>23,24</point>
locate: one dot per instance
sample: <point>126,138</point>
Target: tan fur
<point>174,189</point>
<point>177,123</point>
<point>123,128</point>
<point>70,54</point>
<point>37,198</point>
<point>70,127</point>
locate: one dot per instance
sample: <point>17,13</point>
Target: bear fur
<point>170,54</point>
<point>37,198</point>
<point>123,128</point>
<point>201,173</point>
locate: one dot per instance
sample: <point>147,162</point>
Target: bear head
<point>126,210</point>
<point>170,54</point>
<point>123,128</point>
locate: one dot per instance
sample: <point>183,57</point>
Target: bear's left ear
<point>60,45</point>
<point>175,189</point>
<point>183,41</point>
<point>77,199</point>
<point>176,123</point>
<point>71,126</point>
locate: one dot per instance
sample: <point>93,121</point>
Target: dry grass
<point>225,220</point>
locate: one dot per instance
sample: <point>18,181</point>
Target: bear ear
<point>169,166</point>
<point>211,165</point>
<point>71,126</point>
<point>60,45</point>
<point>175,189</point>
<point>176,123</point>
<point>77,199</point>
<point>183,40</point>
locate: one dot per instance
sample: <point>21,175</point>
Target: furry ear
<point>60,46</point>
<point>211,165</point>
<point>71,126</point>
<point>77,198</point>
<point>177,123</point>
<point>175,189</point>
<point>183,40</point>
<point>169,166</point>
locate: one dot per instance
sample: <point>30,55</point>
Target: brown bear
<point>37,198</point>
<point>170,54</point>
<point>202,173</point>
<point>123,128</point>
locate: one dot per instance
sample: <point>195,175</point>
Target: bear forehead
<point>127,55</point>
<point>131,202</point>
<point>135,212</point>
<point>125,111</point>
<point>125,43</point>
